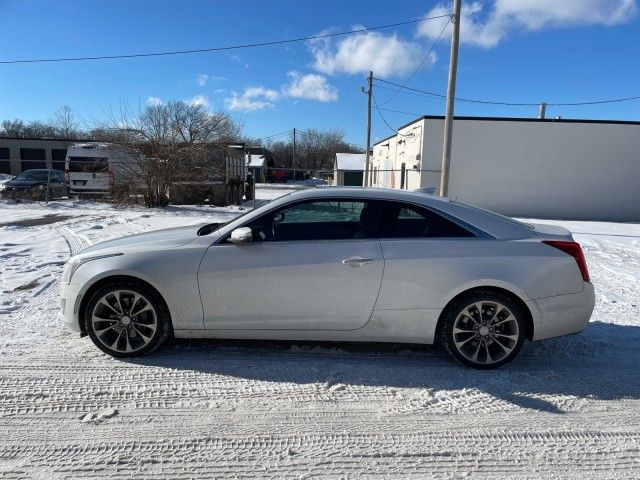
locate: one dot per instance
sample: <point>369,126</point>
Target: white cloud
<point>386,55</point>
<point>204,78</point>
<point>199,100</point>
<point>486,27</point>
<point>310,86</point>
<point>252,99</point>
<point>154,101</point>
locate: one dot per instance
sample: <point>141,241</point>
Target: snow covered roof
<point>350,161</point>
<point>256,161</point>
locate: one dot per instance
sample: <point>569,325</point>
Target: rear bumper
<point>91,191</point>
<point>562,315</point>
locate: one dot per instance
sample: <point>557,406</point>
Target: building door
<point>353,179</point>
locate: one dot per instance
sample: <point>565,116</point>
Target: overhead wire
<point>510,104</point>
<point>219,49</point>
<point>373,97</point>
<point>406,82</point>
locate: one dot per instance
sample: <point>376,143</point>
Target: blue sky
<point>512,50</point>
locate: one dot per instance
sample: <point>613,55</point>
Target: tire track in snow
<point>75,242</point>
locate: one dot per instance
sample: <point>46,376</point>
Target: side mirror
<point>241,236</point>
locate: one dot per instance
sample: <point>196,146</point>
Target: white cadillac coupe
<point>336,264</point>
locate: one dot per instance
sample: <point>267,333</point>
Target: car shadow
<point>600,363</point>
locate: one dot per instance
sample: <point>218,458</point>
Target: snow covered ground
<point>568,407</point>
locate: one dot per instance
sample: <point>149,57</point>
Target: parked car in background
<point>337,264</point>
<point>34,183</point>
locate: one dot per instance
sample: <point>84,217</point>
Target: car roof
<point>369,192</point>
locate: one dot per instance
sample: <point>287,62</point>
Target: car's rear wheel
<point>127,319</point>
<point>483,329</point>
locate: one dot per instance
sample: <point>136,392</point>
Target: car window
<point>401,220</point>
<point>318,220</point>
<point>33,175</point>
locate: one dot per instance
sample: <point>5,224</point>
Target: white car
<point>337,264</point>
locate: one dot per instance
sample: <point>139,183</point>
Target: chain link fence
<point>267,184</point>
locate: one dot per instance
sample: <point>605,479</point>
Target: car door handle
<point>357,261</point>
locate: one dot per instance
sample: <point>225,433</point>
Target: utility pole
<point>366,163</point>
<point>46,195</point>
<point>542,110</point>
<point>294,154</point>
<point>451,94</point>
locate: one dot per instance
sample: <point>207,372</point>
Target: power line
<point>219,49</point>
<point>400,111</point>
<point>384,119</point>
<point>309,133</point>
<point>421,63</point>
<point>275,135</point>
<point>510,104</point>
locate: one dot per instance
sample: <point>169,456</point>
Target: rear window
<point>88,164</point>
<point>401,220</point>
<point>499,215</point>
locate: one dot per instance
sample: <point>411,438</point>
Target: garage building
<point>545,168</point>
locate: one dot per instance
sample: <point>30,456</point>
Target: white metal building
<point>545,168</point>
<point>348,169</point>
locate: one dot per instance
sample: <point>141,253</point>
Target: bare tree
<point>65,122</point>
<point>13,128</point>
<point>315,149</point>
<point>168,143</point>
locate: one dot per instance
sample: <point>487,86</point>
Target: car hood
<point>23,183</point>
<point>169,237</point>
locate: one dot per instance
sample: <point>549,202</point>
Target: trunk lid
<point>551,232</point>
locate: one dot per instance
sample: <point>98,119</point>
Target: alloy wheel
<point>485,332</point>
<point>124,321</point>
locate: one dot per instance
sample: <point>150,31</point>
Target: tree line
<point>180,123</point>
<point>176,142</point>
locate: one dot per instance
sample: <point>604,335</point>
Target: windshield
<point>212,227</point>
<point>33,175</point>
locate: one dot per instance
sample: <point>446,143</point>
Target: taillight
<point>575,250</point>
<point>66,175</point>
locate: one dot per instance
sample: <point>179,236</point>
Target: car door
<point>426,256</point>
<point>313,265</point>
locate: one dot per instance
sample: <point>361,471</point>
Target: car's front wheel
<point>483,329</point>
<point>127,319</point>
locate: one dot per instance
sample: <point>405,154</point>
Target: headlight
<point>75,263</point>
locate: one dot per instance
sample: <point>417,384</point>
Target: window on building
<point>400,220</point>
<point>58,154</point>
<point>32,165</point>
<point>5,167</point>
<point>32,154</point>
<point>4,153</point>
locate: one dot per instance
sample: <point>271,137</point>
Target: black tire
<point>162,317</point>
<point>459,310</point>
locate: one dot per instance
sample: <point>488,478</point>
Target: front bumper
<point>563,314</point>
<point>69,304</point>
